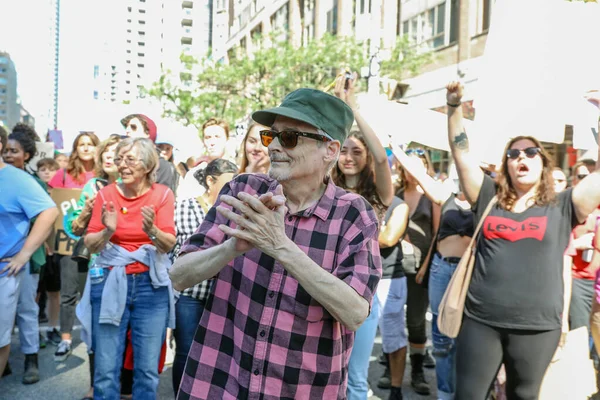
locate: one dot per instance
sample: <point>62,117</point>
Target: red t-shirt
<point>129,233</point>
<point>66,181</point>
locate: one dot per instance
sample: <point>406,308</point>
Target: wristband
<point>454,105</point>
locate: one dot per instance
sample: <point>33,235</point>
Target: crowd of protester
<point>273,264</point>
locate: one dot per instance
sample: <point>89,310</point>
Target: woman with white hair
<point>132,227</point>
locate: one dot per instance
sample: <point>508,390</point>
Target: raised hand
<point>454,92</point>
<point>109,216</point>
<point>347,95</point>
<point>593,96</point>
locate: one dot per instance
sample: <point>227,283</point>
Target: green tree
<point>246,83</point>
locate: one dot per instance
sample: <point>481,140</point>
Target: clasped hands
<point>260,222</point>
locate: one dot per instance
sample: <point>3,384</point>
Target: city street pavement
<point>69,380</point>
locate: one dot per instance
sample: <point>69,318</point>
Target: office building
<point>10,113</point>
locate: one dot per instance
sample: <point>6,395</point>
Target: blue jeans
<point>147,313</point>
<point>27,312</point>
<point>188,312</point>
<point>358,365</point>
<point>444,348</point>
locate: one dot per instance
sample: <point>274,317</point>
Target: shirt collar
<point>322,207</point>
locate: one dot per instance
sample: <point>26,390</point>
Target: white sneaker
<point>63,351</point>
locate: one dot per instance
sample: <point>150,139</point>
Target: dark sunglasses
<point>530,152</point>
<point>133,127</point>
<point>417,152</point>
<point>288,139</point>
<point>581,176</point>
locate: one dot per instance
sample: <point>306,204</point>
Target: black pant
<point>417,302</point>
<point>481,349</point>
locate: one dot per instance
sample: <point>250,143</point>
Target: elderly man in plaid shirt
<point>296,262</point>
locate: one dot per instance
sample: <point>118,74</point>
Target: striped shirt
<point>262,336</point>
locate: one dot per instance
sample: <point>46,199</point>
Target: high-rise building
<point>10,113</point>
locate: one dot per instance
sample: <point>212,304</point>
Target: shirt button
<point>272,294</point>
<point>256,372</point>
<point>262,333</point>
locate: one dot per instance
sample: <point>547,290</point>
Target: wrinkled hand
<point>260,223</point>
<point>593,96</point>
<point>347,95</point>
<point>148,216</point>
<point>454,92</point>
<point>15,264</point>
<point>109,216</point>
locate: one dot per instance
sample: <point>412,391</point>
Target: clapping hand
<point>260,223</point>
<point>88,207</point>
<point>148,216</point>
<point>109,216</point>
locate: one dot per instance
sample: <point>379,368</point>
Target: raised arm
<point>435,191</point>
<point>586,195</point>
<point>469,173</point>
<point>391,232</point>
<point>383,173</point>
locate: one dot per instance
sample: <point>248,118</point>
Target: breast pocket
<point>304,307</point>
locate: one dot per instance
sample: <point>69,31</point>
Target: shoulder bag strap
<point>64,176</point>
<point>491,204</point>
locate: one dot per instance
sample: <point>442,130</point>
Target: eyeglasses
<point>288,139</point>
<point>130,162</point>
<point>530,152</point>
<point>581,176</point>
<point>417,152</point>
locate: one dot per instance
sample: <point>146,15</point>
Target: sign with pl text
<point>63,239</point>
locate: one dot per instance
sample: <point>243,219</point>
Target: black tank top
<point>420,233</point>
<point>455,220</point>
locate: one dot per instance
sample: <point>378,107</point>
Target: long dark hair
<point>214,169</point>
<point>75,167</point>
<point>507,195</point>
<point>366,182</point>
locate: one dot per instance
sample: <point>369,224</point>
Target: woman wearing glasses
<point>519,292</point>
<point>133,229</point>
<point>363,168</point>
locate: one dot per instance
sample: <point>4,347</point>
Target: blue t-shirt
<point>21,199</point>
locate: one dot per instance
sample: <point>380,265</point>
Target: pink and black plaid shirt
<point>262,336</point>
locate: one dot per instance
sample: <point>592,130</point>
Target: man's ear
<point>333,149</point>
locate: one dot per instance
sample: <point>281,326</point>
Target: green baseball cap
<point>317,108</point>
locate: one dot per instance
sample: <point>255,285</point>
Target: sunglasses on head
<point>288,139</point>
<point>417,152</point>
<point>530,152</point>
